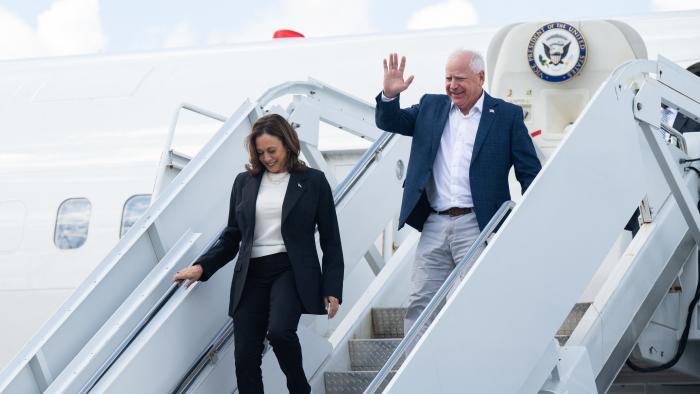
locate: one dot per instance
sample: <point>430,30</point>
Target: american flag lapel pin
<point>492,111</point>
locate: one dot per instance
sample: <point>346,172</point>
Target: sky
<point>40,28</point>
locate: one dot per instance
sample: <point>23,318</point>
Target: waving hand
<point>393,76</point>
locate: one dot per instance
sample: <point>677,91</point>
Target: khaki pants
<point>443,243</point>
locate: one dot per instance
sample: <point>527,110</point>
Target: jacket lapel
<point>249,195</point>
<point>441,120</point>
<point>295,189</point>
<point>488,115</point>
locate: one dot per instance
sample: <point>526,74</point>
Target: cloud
<point>312,18</point>
<point>182,36</point>
<point>67,27</point>
<point>17,39</point>
<point>448,14</point>
<point>674,5</point>
<point>71,27</point>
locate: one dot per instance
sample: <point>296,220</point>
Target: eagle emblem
<point>556,52</point>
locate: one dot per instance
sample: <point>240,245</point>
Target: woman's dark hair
<point>276,126</point>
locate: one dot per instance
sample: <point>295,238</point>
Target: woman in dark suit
<point>276,206</point>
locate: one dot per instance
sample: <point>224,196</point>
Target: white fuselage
<point>94,127</point>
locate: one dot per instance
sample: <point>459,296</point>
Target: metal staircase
<point>514,324</point>
<point>613,158</point>
<point>127,318</point>
<point>368,356</point>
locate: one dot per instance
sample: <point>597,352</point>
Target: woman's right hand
<point>189,274</point>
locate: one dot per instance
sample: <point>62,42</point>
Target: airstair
<point>495,332</point>
<point>127,328</point>
<point>515,323</point>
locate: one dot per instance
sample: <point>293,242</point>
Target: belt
<point>454,211</point>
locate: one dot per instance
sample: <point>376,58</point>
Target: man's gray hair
<point>477,61</point>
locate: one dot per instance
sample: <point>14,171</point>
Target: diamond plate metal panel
<point>388,322</point>
<point>371,354</point>
<point>351,382</point>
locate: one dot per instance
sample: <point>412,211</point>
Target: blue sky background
<point>66,27</point>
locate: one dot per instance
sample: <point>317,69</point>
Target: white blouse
<point>267,238</point>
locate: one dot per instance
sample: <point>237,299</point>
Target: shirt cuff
<point>387,99</point>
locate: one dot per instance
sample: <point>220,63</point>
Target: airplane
<point>84,135</point>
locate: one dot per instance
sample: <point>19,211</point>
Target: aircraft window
<point>72,222</point>
<point>134,207</point>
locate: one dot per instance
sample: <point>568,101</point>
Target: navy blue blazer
<point>502,141</point>
<point>307,205</point>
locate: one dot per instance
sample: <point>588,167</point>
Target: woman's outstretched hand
<point>189,275</point>
<point>332,304</point>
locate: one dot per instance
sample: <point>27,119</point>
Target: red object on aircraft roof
<point>284,33</point>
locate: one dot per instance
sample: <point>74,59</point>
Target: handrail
<point>208,355</point>
<point>104,367</point>
<point>437,299</point>
<point>195,109</point>
<point>680,138</point>
<point>124,344</point>
<point>171,135</point>
<point>369,157</point>
<point>292,87</point>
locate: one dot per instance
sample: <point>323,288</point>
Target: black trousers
<point>269,305</point>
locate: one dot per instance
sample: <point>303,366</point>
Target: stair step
<point>572,320</point>
<point>371,354</point>
<point>367,356</point>
<point>352,382</point>
<point>388,322</point>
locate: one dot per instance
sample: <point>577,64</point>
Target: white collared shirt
<point>449,186</point>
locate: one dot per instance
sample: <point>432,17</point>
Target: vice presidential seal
<point>557,52</point>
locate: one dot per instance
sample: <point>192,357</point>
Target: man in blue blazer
<point>464,144</point>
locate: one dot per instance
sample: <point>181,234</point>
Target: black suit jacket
<point>308,204</point>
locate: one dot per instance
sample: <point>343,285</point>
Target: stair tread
<point>562,339</point>
<point>351,382</point>
<point>388,322</point>
<point>371,354</point>
<point>368,355</point>
<point>375,340</point>
<point>573,318</point>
